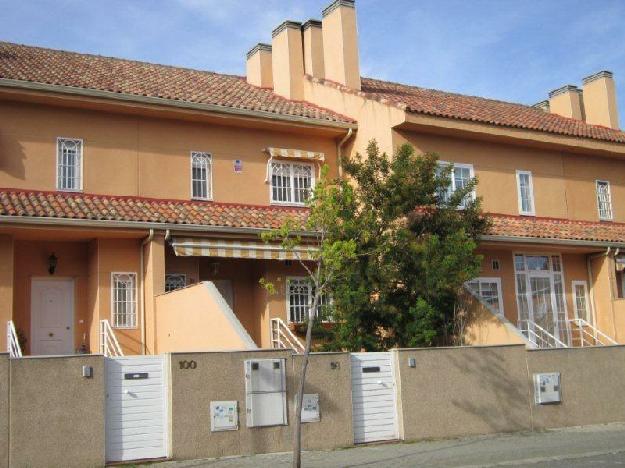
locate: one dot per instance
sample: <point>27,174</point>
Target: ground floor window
<point>489,290</point>
<point>175,281</point>
<point>124,300</point>
<point>540,295</point>
<point>299,298</point>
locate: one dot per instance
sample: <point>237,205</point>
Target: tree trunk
<point>297,430</point>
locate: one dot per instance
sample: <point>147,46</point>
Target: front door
<point>52,316</point>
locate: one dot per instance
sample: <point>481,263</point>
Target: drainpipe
<point>589,259</point>
<point>142,282</point>
<point>339,149</point>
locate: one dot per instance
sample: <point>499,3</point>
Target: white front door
<point>374,406</point>
<point>136,408</point>
<point>52,316</point>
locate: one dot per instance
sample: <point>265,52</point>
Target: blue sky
<point>505,49</point>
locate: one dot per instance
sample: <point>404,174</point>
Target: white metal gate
<point>373,397</point>
<point>136,408</point>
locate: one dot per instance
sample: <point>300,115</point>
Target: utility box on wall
<point>547,388</point>
<point>265,392</point>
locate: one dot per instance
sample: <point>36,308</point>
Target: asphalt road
<point>590,446</point>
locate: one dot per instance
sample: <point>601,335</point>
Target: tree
<point>415,248</point>
<point>327,255</point>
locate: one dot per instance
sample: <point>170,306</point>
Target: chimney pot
<point>258,66</point>
<point>600,99</point>
<point>340,43</point>
<point>313,48</point>
<point>567,101</point>
<point>287,60</point>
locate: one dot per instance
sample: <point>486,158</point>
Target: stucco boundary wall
<point>454,392</point>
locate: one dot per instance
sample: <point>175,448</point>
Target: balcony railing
<point>584,334</point>
<point>538,336</point>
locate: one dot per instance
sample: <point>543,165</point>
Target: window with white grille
<point>525,188</point>
<point>604,200</point>
<point>175,281</point>
<point>299,299</point>
<point>291,182</point>
<point>201,187</point>
<point>124,300</point>
<point>489,290</point>
<point>580,292</point>
<point>460,177</point>
<point>68,164</point>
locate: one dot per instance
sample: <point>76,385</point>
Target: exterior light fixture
<point>52,262</point>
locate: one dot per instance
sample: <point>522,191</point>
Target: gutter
<point>132,98</point>
<point>145,241</point>
<point>551,240</point>
<point>98,223</point>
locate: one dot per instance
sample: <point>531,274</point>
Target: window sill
<point>69,190</point>
<point>201,199</point>
<point>301,205</point>
<point>531,215</point>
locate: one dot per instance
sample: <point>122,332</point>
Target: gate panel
<point>373,397</point>
<point>136,408</point>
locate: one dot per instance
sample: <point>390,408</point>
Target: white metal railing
<point>538,336</point>
<point>13,344</point>
<point>282,337</point>
<point>109,346</point>
<point>585,334</point>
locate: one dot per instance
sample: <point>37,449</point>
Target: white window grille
<point>580,292</point>
<point>201,174</point>
<point>299,298</point>
<point>460,177</point>
<point>124,300</point>
<point>69,164</point>
<point>175,281</point>
<point>604,200</point>
<point>525,189</point>
<point>489,289</point>
<point>291,183</point>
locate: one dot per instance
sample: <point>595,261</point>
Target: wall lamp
<point>52,262</point>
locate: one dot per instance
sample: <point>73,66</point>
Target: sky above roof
<point>514,51</point>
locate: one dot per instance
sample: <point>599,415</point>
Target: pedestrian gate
<point>373,397</point>
<point>136,408</point>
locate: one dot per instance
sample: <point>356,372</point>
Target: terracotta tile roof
<point>477,109</point>
<point>56,67</point>
<point>80,206</point>
<point>554,228</point>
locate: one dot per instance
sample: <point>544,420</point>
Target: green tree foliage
<point>414,248</point>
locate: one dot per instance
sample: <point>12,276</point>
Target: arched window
<point>201,175</point>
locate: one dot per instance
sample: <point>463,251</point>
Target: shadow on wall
<point>12,157</point>
<point>505,406</point>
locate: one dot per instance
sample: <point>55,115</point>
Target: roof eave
<point>551,241</point>
<point>210,108</point>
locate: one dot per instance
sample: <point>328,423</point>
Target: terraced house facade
<point>134,194</point>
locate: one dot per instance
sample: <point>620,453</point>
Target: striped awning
<point>295,154</point>
<point>226,248</point>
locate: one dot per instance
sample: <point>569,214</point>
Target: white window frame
<point>574,285</point>
<point>133,302</point>
<point>81,164</point>
<point>310,294</point>
<point>209,174</point>
<point>532,211</point>
<point>452,182</point>
<point>492,279</point>
<point>291,164</point>
<point>179,275</point>
<point>607,182</point>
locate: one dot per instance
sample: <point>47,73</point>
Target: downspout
<point>339,149</point>
<point>145,241</point>
<point>589,259</point>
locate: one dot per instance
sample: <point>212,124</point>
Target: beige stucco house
<point>134,194</point>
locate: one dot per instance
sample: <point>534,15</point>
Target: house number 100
<point>187,364</point>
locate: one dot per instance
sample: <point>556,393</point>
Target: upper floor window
<point>124,300</point>
<point>201,175</point>
<point>604,200</point>
<point>291,182</point>
<point>525,188</point>
<point>68,164</point>
<point>460,177</point>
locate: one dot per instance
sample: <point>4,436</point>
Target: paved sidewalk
<point>590,446</point>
